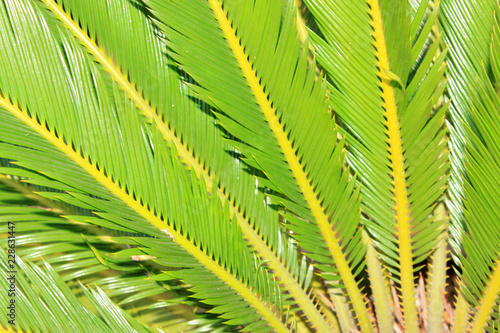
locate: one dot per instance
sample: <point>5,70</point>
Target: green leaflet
<point>101,166</point>
<point>385,102</point>
<point>270,101</point>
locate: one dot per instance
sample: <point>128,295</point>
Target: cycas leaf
<point>53,306</point>
<point>62,244</point>
<point>470,29</point>
<point>369,50</point>
<point>109,169</point>
<point>183,121</point>
<point>467,28</point>
<point>271,102</point>
<point>481,161</point>
<point>481,204</point>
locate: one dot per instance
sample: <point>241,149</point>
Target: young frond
<point>396,140</point>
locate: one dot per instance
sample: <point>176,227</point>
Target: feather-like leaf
<point>396,141</point>
<point>112,172</point>
<point>269,100</point>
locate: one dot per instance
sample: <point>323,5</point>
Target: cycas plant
<point>249,165</point>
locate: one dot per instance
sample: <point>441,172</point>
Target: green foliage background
<point>250,165</point>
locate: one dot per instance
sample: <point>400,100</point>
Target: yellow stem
<point>397,161</point>
<point>295,166</point>
<point>461,314</point>
<point>342,311</point>
<point>438,277</point>
<point>379,286</point>
<point>318,287</point>
<point>301,24</point>
<point>189,159</point>
<point>490,297</point>
<point>120,193</point>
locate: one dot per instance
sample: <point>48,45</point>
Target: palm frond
<point>182,120</point>
<point>481,273</point>
<point>369,51</point>
<point>49,304</point>
<point>62,153</point>
<point>272,93</point>
<point>467,27</point>
<point>64,243</point>
<point>481,246</point>
<point>474,112</point>
<point>227,165</point>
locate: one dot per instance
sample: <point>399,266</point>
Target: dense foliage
<point>257,166</point>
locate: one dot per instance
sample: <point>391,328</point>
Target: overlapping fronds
<point>266,97</point>
<point>482,203</point>
<point>53,306</point>
<point>474,56</point>
<point>183,121</point>
<point>477,107</point>
<point>396,140</point>
<point>257,166</point>
<point>115,165</point>
<point>64,243</point>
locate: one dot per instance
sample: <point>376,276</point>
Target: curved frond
<point>248,165</point>
<point>113,161</point>
<point>396,141</point>
<point>474,137</point>
<point>273,95</point>
<point>182,120</point>
<point>93,256</point>
<point>53,306</point>
<point>467,28</point>
<point>481,245</point>
<point>481,204</point>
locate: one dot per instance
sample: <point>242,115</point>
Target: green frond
<point>39,233</point>
<point>481,204</point>
<point>396,141</point>
<point>474,117</point>
<point>49,304</point>
<point>256,166</point>
<point>182,120</point>
<point>272,96</point>
<point>467,29</point>
<point>121,172</point>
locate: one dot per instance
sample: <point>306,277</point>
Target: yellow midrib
<point>187,157</point>
<point>301,24</point>
<point>129,88</point>
<point>295,166</point>
<point>99,176</point>
<point>490,297</point>
<point>397,163</point>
